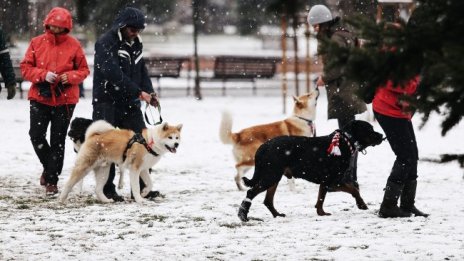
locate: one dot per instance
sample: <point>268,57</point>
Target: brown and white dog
<point>105,144</point>
<point>247,141</point>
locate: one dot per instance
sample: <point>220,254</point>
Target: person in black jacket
<point>6,68</point>
<point>121,80</point>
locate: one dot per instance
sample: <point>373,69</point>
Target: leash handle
<point>159,112</point>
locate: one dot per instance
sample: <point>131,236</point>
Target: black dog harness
<point>139,139</point>
<point>310,123</point>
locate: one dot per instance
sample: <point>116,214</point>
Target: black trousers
<point>400,135</point>
<point>130,118</point>
<point>51,155</point>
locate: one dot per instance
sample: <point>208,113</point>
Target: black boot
<point>407,199</point>
<point>389,207</point>
<point>243,210</point>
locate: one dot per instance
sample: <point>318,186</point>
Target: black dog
<point>77,131</point>
<point>321,160</point>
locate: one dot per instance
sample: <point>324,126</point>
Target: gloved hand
<point>51,77</point>
<point>11,90</point>
<point>154,101</point>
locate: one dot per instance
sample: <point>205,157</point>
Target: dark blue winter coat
<point>120,73</point>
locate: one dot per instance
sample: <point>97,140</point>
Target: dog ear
<point>165,126</point>
<point>179,127</point>
<point>295,99</point>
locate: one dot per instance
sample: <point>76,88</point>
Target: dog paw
<point>323,213</point>
<point>242,215</point>
<point>144,192</point>
<point>141,201</point>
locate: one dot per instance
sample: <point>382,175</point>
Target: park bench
<point>243,68</point>
<point>165,66</point>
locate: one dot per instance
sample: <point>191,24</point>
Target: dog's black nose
<point>176,145</point>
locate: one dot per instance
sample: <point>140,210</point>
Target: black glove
<point>11,90</point>
<point>60,89</point>
<point>44,89</point>
<point>154,101</point>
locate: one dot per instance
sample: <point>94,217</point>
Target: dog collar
<point>355,143</point>
<point>310,123</point>
<point>138,137</point>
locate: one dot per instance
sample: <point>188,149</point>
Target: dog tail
<point>248,182</point>
<point>225,129</point>
<point>98,127</point>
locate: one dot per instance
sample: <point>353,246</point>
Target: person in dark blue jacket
<point>121,80</point>
<point>6,68</point>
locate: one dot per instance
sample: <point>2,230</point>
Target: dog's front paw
<point>362,206</point>
<point>108,200</point>
<point>321,212</point>
<point>141,201</point>
<point>243,214</point>
<point>279,215</point>
<point>144,192</point>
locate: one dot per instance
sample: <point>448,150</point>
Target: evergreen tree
<point>431,44</point>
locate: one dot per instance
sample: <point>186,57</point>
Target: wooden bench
<point>244,68</point>
<point>18,78</point>
<point>165,66</point>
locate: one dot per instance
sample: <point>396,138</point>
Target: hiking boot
<point>408,197</point>
<point>389,207</point>
<point>51,189</point>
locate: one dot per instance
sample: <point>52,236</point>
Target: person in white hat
<point>343,104</point>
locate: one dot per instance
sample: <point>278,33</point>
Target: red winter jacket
<point>386,100</point>
<point>56,53</point>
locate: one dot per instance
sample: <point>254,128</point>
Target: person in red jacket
<point>55,64</point>
<point>394,116</point>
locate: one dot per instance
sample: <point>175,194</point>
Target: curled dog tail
<point>98,127</point>
<point>225,129</point>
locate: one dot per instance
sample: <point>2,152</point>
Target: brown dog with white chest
<point>247,141</point>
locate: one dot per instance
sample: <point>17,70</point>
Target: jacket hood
<point>130,16</point>
<point>60,17</point>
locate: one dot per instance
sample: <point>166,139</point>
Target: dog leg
<point>350,188</point>
<point>320,201</point>
<point>246,203</point>
<point>78,173</point>
<point>135,186</point>
<point>101,176</point>
<point>145,176</point>
<point>80,185</point>
<point>121,178</point>
<point>241,170</point>
<point>269,201</point>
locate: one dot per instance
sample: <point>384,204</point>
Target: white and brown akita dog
<point>247,141</point>
<point>105,144</point>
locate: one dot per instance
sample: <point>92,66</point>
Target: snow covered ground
<point>197,218</point>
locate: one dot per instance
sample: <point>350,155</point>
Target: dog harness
<point>310,123</point>
<point>139,139</point>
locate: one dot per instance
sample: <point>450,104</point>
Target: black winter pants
<point>123,117</point>
<point>400,135</point>
<point>51,155</point>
